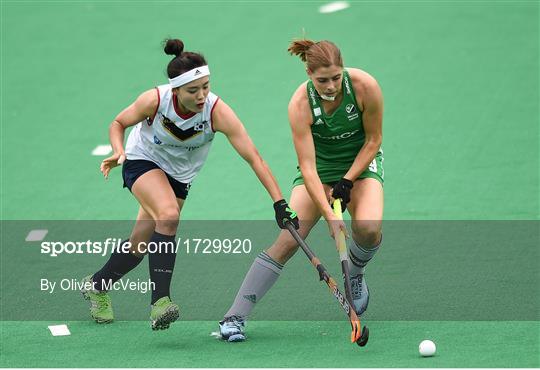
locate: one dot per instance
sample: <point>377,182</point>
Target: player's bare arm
<point>370,100</point>
<point>144,106</point>
<point>228,123</point>
<point>300,121</point>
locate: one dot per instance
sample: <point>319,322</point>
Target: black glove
<point>342,190</point>
<point>284,214</point>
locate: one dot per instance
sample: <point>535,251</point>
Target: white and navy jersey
<point>177,143</point>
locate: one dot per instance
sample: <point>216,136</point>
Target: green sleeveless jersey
<point>338,137</point>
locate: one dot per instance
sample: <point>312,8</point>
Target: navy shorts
<point>133,169</point>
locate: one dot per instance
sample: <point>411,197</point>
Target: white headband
<point>189,76</point>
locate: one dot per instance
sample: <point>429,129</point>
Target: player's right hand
<point>285,214</point>
<point>335,226</point>
<point>108,163</point>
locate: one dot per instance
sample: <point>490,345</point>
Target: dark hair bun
<point>174,47</point>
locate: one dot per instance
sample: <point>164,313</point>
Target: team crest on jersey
<point>351,111</point>
<point>178,133</point>
<point>199,126</point>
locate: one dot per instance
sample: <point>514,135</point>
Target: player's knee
<point>167,218</point>
<point>366,233</point>
<point>168,213</point>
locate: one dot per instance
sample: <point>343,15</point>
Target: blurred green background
<point>460,81</point>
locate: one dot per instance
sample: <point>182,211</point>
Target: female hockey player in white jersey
<point>176,124</point>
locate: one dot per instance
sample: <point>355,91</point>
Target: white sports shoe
<point>232,329</point>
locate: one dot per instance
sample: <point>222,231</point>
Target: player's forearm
<point>116,137</point>
<point>363,159</point>
<point>266,178</point>
<point>316,192</point>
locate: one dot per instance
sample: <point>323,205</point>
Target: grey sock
<point>359,257</point>
<point>263,273</point>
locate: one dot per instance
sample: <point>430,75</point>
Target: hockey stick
<point>344,258</point>
<point>357,335</point>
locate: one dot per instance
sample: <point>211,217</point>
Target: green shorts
<point>331,174</point>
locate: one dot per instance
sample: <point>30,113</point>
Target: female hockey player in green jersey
<point>336,122</point>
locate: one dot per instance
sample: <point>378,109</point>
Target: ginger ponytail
<point>300,48</point>
<point>316,54</point>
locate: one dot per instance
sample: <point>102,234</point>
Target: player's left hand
<point>342,191</point>
<point>284,214</point>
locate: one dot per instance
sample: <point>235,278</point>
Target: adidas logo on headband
<point>189,76</point>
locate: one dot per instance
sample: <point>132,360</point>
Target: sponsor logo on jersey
<point>176,131</point>
<point>157,141</point>
<point>191,148</point>
<point>149,121</point>
<point>344,135</point>
<point>312,96</point>
<point>187,148</point>
<point>317,111</point>
<point>347,86</point>
<point>319,122</point>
